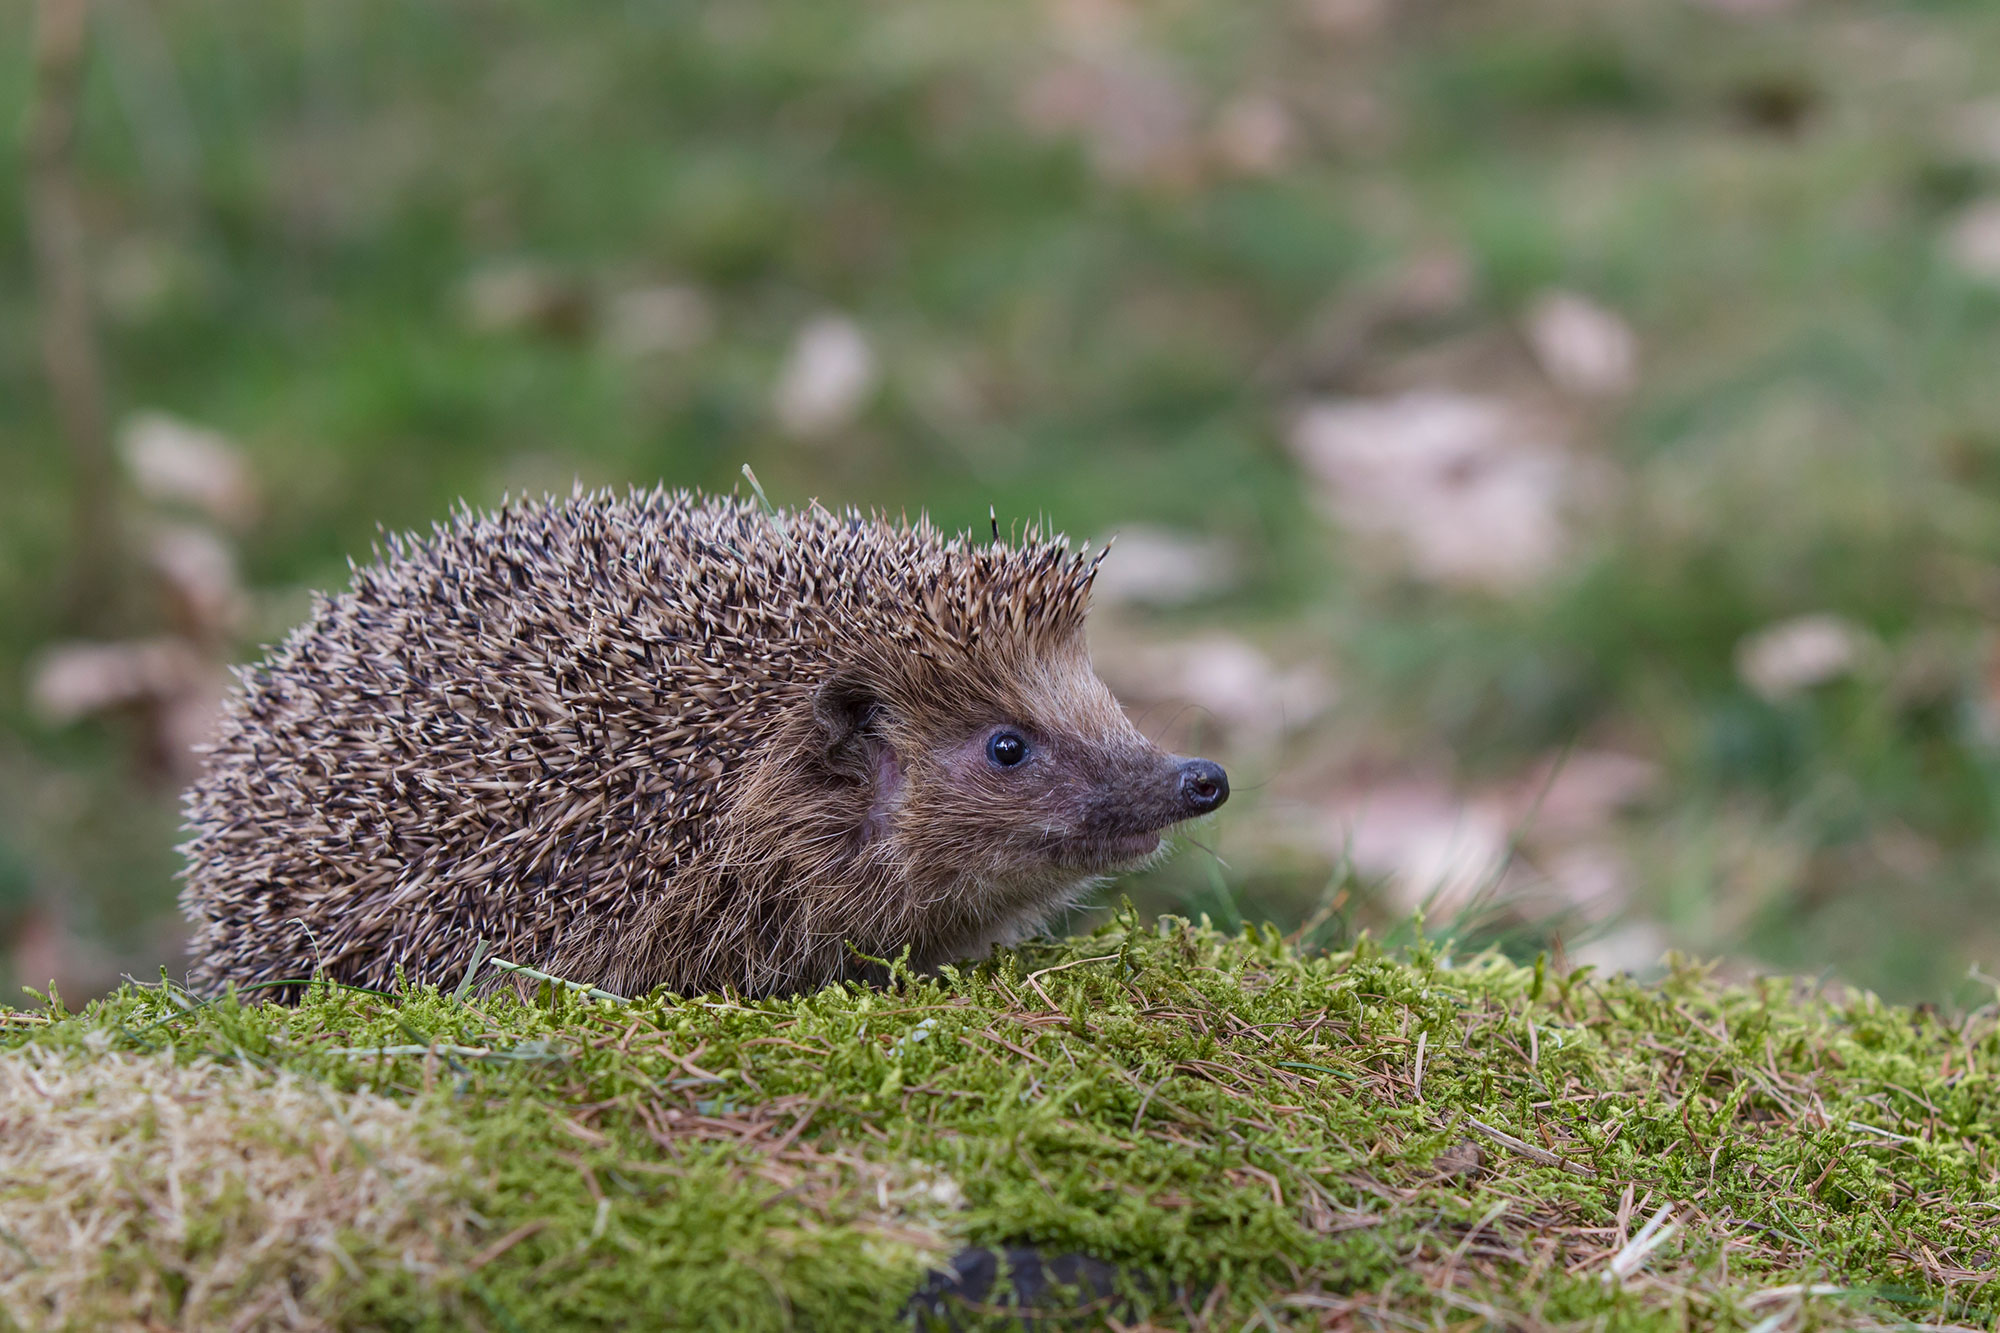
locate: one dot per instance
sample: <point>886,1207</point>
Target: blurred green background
<point>1556,443</point>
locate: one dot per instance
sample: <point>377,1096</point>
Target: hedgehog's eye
<point>1006,748</point>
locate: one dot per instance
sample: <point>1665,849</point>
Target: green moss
<point>1225,1118</point>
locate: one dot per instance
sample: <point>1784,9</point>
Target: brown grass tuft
<point>139,1193</point>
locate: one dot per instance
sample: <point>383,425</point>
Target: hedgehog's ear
<point>844,707</point>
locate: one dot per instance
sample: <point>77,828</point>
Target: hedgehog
<point>660,739</point>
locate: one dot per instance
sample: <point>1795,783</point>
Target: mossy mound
<point>1247,1135</point>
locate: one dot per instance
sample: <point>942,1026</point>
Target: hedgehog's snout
<point>1203,786</point>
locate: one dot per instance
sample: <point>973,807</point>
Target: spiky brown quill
<point>665,739</point>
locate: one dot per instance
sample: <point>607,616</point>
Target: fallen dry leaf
<point>177,462</point>
<point>1473,489</point>
<point>175,688</point>
<point>1793,656</point>
<point>1583,348</point>
<point>1577,793</point>
<point>1157,567</point>
<point>1228,678</point>
<point>1435,850</point>
<point>75,680</point>
<point>1254,135</point>
<point>826,379</point>
<point>198,571</point>
<point>1539,845</point>
<point>1634,946</point>
<point>1973,240</point>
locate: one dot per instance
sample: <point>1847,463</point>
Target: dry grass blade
<point>1632,1256</point>
<point>1529,1150</point>
<point>581,988</point>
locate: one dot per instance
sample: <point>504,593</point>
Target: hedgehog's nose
<point>1204,786</point>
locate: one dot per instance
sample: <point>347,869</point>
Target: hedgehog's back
<point>457,746</point>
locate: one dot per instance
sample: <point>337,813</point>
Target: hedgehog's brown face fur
<point>961,800</point>
<point>1002,793</point>
<point>957,789</point>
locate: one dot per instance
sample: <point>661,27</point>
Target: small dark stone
<point>1041,1291</point>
